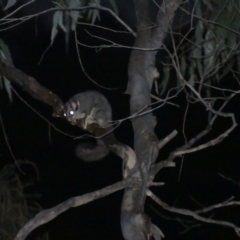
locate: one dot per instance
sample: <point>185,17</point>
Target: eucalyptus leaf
<point>1,82</point>
<point>75,15</point>
<point>114,6</point>
<point>60,22</point>
<point>93,13</point>
<point>190,72</point>
<point>208,91</point>
<point>192,80</point>
<point>10,3</point>
<point>183,65</point>
<point>55,25</point>
<point>5,51</point>
<point>76,3</point>
<point>7,85</point>
<point>226,70</point>
<point>8,88</point>
<point>166,74</point>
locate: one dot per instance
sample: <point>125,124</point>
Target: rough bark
<point>142,72</point>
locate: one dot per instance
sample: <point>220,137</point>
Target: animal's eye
<point>71,113</point>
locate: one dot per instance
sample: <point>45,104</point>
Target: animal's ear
<point>75,105</point>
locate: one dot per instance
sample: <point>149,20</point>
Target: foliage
<point>5,53</point>
<point>209,52</point>
<point>15,209</point>
<point>9,4</point>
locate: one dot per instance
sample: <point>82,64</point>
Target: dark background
<point>62,175</point>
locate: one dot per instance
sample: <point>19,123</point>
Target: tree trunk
<point>142,73</point>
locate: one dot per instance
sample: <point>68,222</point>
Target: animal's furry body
<point>79,107</point>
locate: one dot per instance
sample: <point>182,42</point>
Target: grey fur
<point>91,152</point>
<point>82,105</point>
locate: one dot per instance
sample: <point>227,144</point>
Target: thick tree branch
<point>30,85</point>
<point>49,214</point>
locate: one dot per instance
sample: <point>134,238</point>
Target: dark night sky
<point>64,176</point>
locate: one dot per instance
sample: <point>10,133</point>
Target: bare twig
<point>190,213</point>
<point>9,146</point>
<point>226,203</point>
<point>41,116</point>
<point>167,139</point>
<point>81,64</point>
<point>162,100</point>
<point>229,179</point>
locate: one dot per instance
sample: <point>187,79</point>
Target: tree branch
<point>30,85</point>
<point>49,214</point>
<point>193,214</point>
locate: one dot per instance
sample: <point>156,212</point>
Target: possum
<point>79,107</point>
